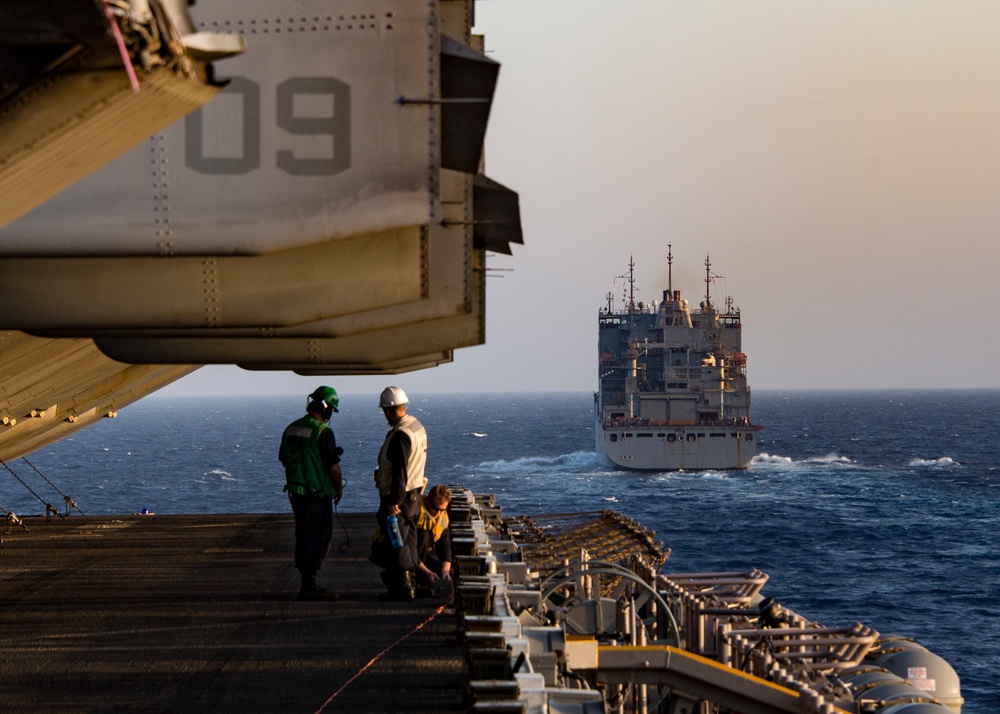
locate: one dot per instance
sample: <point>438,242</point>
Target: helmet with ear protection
<point>327,396</point>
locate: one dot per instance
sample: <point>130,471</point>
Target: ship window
<point>660,436</point>
<point>749,437</point>
<point>691,437</point>
<point>722,435</point>
<point>627,435</point>
<point>640,434</point>
<point>614,438</point>
<point>701,436</point>
<point>734,434</point>
<point>671,438</point>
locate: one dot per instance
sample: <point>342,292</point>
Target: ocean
<point>870,506</point>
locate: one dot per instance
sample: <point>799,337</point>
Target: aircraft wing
<point>326,213</point>
<point>84,81</point>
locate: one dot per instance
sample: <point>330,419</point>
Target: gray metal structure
<point>571,613</point>
<point>326,213</point>
<point>673,390</point>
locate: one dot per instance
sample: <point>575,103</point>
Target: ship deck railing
<point>720,619</point>
<point>640,423</point>
<point>826,649</point>
<point>704,602</point>
<point>563,642</point>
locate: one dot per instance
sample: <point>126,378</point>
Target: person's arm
<point>396,454</point>
<point>337,478</point>
<point>330,457</point>
<point>428,573</point>
<point>443,547</point>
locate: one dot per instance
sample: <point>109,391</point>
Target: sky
<point>838,160</point>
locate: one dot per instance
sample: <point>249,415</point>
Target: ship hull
<point>695,448</point>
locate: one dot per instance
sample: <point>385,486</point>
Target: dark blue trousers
<point>313,531</point>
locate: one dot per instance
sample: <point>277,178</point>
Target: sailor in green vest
<point>400,481</point>
<point>311,458</point>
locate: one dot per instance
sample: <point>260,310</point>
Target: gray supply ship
<point>673,390</point>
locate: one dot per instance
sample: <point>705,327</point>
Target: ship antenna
<point>670,271</point>
<point>631,285</point>
<point>708,282</point>
<point>709,276</point>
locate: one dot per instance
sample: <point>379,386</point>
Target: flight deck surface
<point>200,614</point>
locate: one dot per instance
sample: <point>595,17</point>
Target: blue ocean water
<point>867,506</point>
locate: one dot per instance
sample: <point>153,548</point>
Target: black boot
<point>400,584</point>
<point>409,585</point>
<point>311,590</point>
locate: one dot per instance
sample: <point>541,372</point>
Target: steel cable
<point>379,656</point>
<point>70,503</point>
<point>49,508</point>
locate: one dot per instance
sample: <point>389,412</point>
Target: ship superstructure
<point>672,383</point>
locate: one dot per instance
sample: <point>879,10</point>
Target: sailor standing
<point>314,482</point>
<point>400,481</point>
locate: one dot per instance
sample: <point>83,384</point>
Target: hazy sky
<point>839,161</point>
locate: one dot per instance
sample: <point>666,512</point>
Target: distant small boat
<point>672,390</point>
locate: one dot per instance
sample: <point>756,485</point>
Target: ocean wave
<point>828,459</point>
<point>576,461</point>
<point>765,459</point>
<point>944,462</point>
<point>771,459</point>
<point>685,475</point>
<point>477,434</point>
<point>222,474</point>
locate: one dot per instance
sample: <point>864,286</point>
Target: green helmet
<point>327,395</point>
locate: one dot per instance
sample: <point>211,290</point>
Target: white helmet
<point>392,397</point>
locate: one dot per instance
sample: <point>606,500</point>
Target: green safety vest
<point>304,470</point>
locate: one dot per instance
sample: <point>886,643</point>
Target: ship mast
<point>708,282</point>
<point>670,271</point>
<point>631,285</point>
<point>631,389</point>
